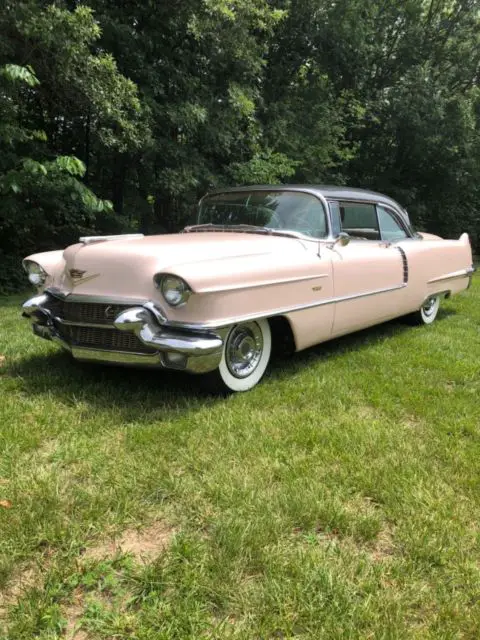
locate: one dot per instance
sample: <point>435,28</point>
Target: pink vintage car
<point>264,267</point>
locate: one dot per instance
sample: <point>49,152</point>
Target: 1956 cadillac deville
<point>265,267</point>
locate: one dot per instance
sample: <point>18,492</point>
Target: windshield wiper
<point>246,228</point>
<point>203,227</point>
<point>209,226</point>
<point>287,233</point>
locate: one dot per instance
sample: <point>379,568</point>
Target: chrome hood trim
<point>123,236</point>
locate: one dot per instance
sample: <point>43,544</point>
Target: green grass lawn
<point>338,499</point>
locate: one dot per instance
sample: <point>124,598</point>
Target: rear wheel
<point>246,353</point>
<point>427,312</point>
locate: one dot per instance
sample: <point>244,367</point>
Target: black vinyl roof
<point>327,191</point>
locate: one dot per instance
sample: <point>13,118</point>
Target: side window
<point>335,218</point>
<point>360,220</point>
<point>390,228</point>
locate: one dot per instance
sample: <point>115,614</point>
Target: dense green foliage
<point>119,116</point>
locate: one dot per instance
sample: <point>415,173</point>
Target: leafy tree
<point>383,95</point>
<point>199,66</point>
<point>55,94</point>
<point>148,105</point>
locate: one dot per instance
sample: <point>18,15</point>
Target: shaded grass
<point>340,498</point>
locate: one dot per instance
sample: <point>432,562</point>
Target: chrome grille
<point>94,337</point>
<point>86,312</point>
<point>108,339</point>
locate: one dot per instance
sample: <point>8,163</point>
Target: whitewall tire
<point>246,354</point>
<point>429,309</point>
<point>427,312</point>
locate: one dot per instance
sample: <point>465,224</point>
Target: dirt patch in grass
<point>380,549</point>
<point>25,579</point>
<point>383,548</point>
<point>366,412</point>
<point>143,544</point>
<point>73,613</point>
<point>412,422</point>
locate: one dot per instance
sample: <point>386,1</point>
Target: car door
<point>369,273</point>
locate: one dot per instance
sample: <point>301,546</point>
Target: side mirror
<point>342,239</point>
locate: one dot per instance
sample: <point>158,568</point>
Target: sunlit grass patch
<point>339,498</point>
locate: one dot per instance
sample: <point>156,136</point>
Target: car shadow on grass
<point>352,342</point>
<point>58,374</point>
<point>132,391</point>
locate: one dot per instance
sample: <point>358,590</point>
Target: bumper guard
<point>175,348</point>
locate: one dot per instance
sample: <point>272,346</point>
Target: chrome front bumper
<point>162,346</point>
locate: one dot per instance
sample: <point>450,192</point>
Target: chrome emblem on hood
<point>76,274</point>
<point>78,277</point>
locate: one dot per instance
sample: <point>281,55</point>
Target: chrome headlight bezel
<point>35,272</point>
<point>175,290</point>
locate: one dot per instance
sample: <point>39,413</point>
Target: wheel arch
<point>283,338</point>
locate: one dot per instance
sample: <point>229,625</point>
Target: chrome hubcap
<point>429,306</point>
<point>244,349</point>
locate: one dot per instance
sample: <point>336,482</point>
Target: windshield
<point>282,210</point>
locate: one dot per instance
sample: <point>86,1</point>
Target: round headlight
<point>175,290</point>
<point>36,274</point>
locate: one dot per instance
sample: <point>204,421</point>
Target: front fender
<point>248,271</point>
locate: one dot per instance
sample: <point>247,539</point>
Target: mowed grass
<point>338,499</point>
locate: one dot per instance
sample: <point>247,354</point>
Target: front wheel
<point>246,353</point>
<point>427,312</point>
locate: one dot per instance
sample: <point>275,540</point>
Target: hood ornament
<point>77,276</point>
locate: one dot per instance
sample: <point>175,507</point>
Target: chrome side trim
<point>463,273</point>
<point>225,322</point>
<point>239,287</point>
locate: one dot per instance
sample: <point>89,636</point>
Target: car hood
<point>125,267</point>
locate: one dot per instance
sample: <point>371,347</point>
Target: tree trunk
<point>118,182</point>
<point>87,149</point>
